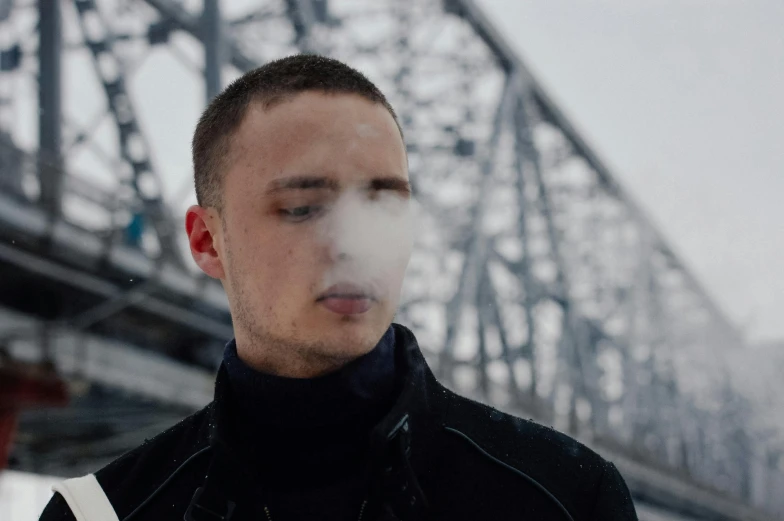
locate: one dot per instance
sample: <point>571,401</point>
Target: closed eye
<point>300,213</point>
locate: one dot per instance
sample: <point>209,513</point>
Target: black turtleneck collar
<point>363,385</point>
<point>308,429</point>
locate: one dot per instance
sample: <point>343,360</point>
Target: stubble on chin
<point>269,347</point>
<point>273,350</point>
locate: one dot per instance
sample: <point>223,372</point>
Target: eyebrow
<point>324,183</point>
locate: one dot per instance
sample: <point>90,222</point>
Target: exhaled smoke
<point>370,236</point>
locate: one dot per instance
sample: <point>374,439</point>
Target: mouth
<point>346,299</point>
<point>346,290</point>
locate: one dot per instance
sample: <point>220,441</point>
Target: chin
<point>356,337</point>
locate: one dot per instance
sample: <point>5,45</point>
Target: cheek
<point>279,270</point>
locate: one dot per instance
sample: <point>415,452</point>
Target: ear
<point>205,240</point>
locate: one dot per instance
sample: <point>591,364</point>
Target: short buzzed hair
<point>270,84</point>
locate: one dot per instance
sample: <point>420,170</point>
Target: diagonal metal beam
<point>478,242</point>
<point>510,61</point>
<point>134,148</point>
<point>191,24</point>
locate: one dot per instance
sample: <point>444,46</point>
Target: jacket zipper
<point>361,511</point>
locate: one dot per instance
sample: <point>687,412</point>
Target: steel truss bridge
<point>537,284</point>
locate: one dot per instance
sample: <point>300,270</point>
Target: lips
<point>346,299</point>
<point>346,291</point>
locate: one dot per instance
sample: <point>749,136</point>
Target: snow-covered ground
<point>23,495</point>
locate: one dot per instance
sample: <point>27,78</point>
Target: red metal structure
<point>24,385</point>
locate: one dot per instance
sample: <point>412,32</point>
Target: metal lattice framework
<point>537,284</point>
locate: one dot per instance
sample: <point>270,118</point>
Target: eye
<point>299,213</point>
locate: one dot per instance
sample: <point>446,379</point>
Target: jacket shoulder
<point>57,510</point>
<point>161,454</point>
<point>130,479</point>
<point>535,455</point>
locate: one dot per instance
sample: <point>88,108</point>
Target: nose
<point>337,251</point>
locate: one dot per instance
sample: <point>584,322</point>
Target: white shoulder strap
<point>86,498</point>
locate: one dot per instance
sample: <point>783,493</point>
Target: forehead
<point>338,134</point>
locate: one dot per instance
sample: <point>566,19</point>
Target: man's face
<point>316,197</point>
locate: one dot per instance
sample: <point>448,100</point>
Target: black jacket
<point>435,456</point>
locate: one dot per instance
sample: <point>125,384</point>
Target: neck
<point>285,359</point>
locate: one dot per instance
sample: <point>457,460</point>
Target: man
<point>323,409</point>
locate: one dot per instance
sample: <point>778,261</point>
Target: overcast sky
<point>684,99</point>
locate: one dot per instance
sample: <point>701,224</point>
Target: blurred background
<point>600,247</point>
